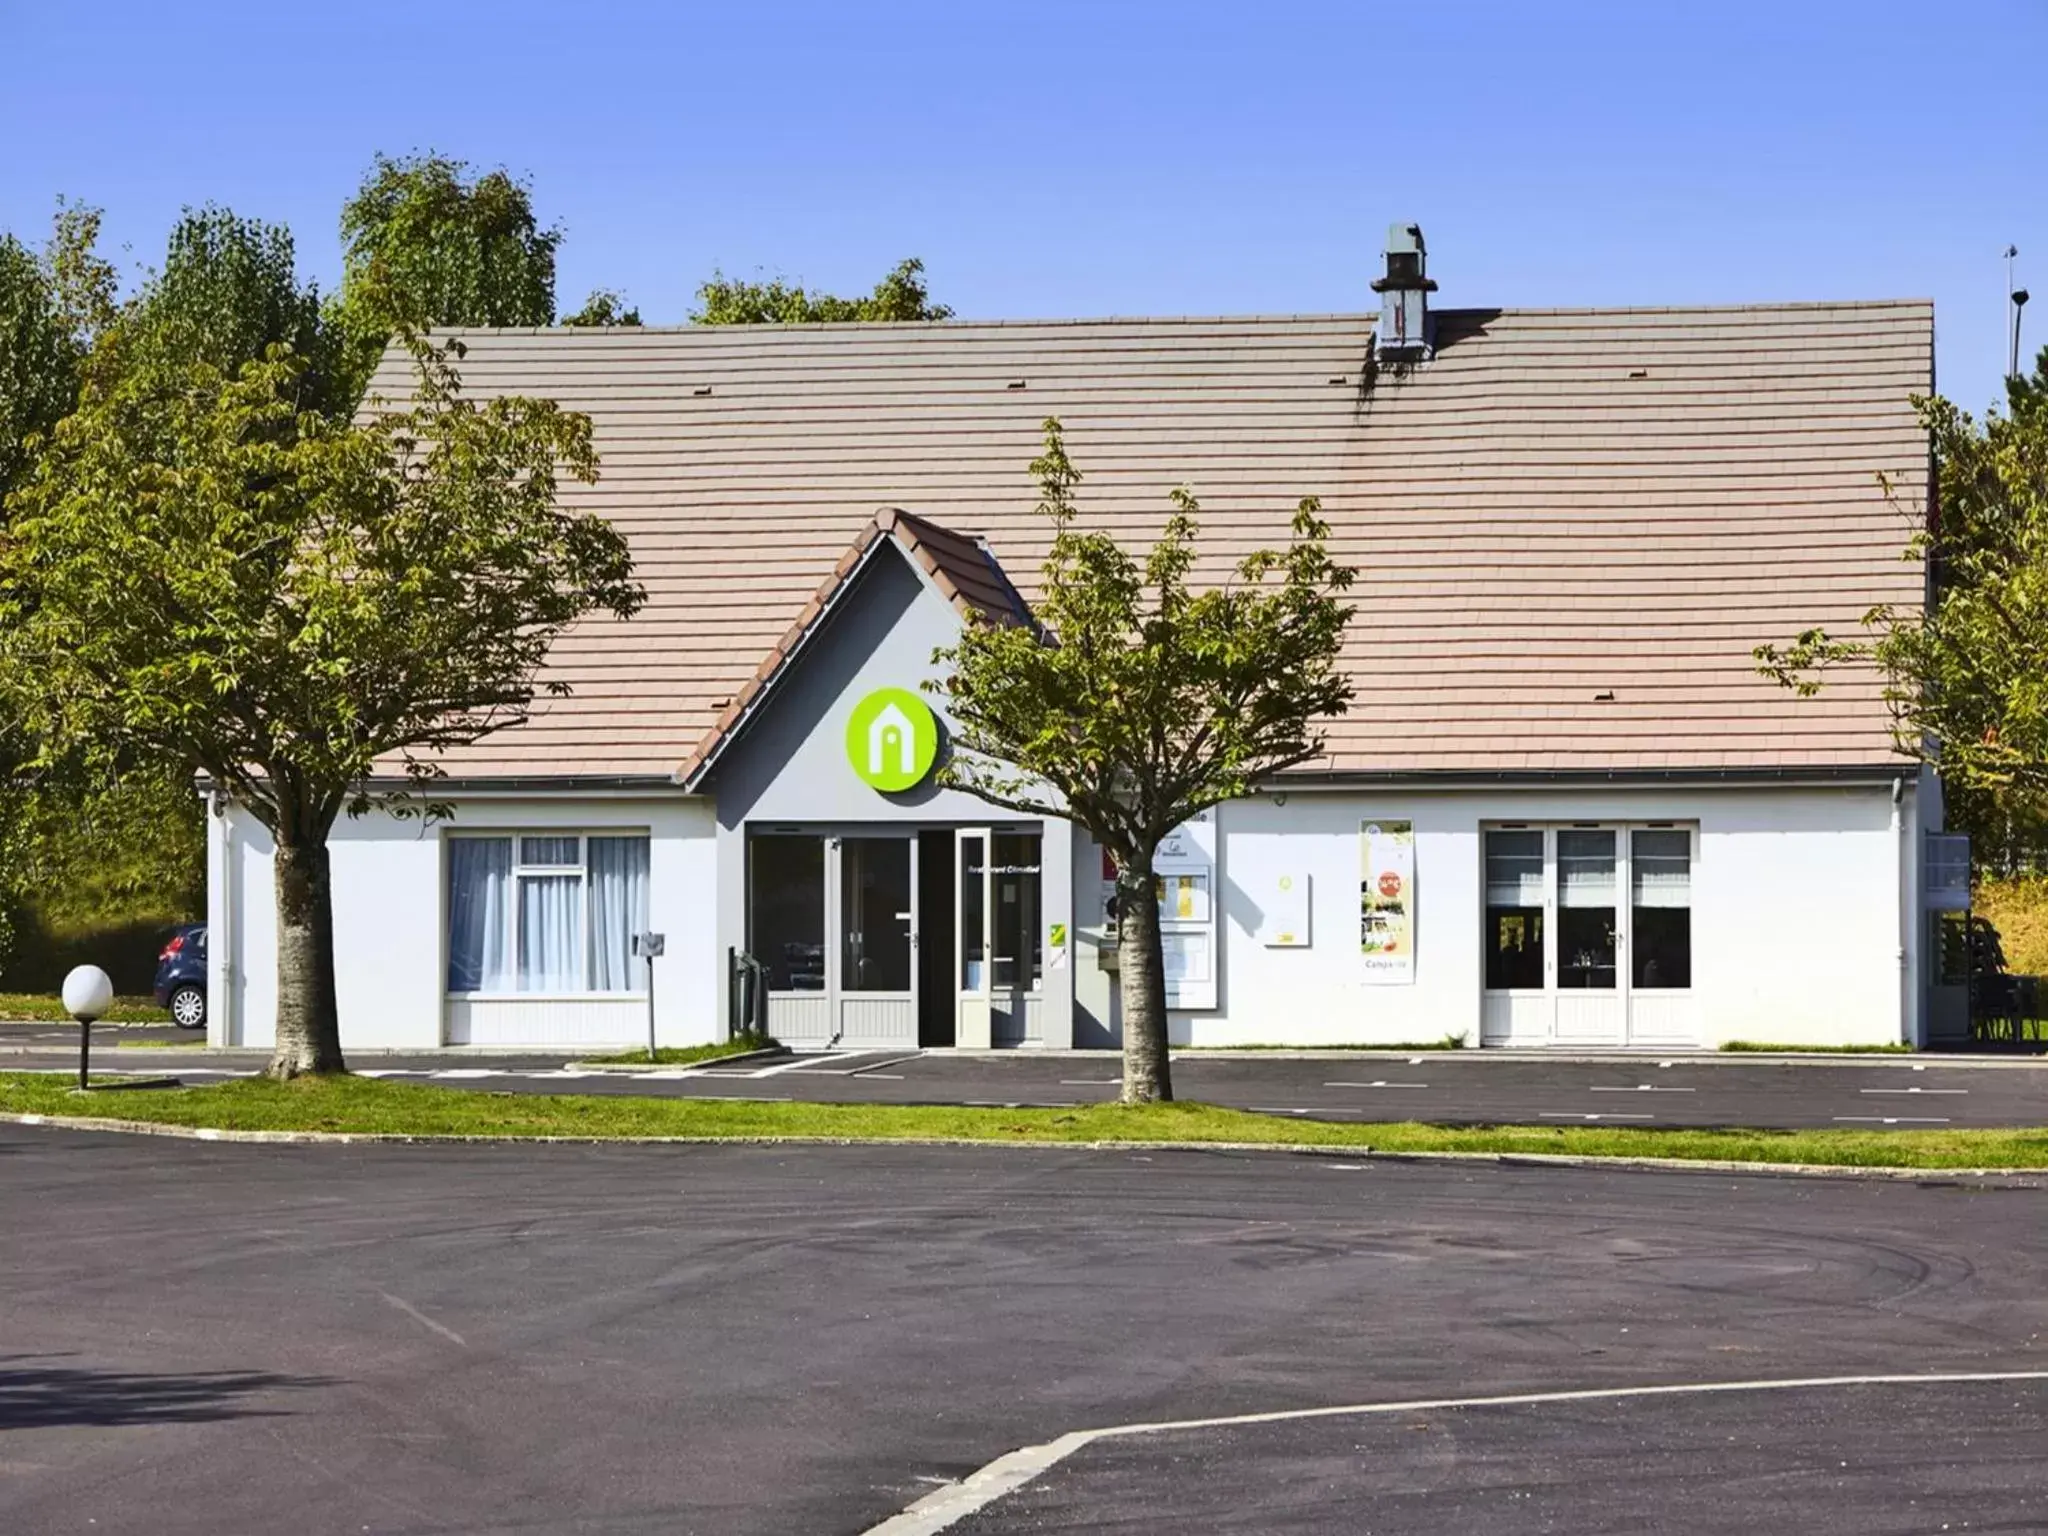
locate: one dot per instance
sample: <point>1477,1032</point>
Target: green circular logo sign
<point>892,740</point>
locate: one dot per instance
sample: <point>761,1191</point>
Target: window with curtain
<point>547,914</point>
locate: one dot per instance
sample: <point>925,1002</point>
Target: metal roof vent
<point>1404,295</point>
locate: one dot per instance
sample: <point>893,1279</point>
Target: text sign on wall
<point>1386,901</point>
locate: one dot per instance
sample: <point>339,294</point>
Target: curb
<point>1292,1149</point>
<point>667,1066</point>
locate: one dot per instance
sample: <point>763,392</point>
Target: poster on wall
<point>1386,901</point>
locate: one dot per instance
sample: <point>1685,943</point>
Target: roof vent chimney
<point>1404,295</point>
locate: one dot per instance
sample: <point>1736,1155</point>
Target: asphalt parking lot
<point>1445,1087</point>
<point>324,1339</point>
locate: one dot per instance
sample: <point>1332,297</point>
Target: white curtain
<point>618,910</point>
<point>479,874</point>
<point>550,933</point>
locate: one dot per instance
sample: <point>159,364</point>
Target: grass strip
<point>685,1055</point>
<point>1765,1047</point>
<point>37,1008</point>
<point>370,1106</point>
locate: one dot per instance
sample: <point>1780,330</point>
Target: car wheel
<point>188,1007</point>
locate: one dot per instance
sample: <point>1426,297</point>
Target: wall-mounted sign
<point>1283,911</point>
<point>1386,901</point>
<point>892,740</point>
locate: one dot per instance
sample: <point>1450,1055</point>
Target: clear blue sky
<point>1105,158</point>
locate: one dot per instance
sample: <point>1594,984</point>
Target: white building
<point>1563,809</point>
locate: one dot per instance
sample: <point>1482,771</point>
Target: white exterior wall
<point>1797,895</point>
<point>390,930</point>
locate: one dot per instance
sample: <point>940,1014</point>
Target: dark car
<point>181,977</point>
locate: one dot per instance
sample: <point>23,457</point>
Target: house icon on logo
<point>890,735</point>
<point>891,740</point>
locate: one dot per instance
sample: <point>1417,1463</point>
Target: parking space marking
<point>1558,1114</point>
<point>947,1507</point>
<point>893,1061</point>
<point>1913,1090</point>
<point>1639,1088</point>
<point>1376,1083</point>
<point>1894,1119</point>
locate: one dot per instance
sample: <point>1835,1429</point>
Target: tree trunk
<point>1141,974</point>
<point>308,1022</point>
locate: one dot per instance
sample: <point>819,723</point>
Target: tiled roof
<point>960,566</point>
<point>1571,526</point>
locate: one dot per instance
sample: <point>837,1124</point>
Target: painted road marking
<point>893,1061</point>
<point>1913,1090</point>
<point>1091,1082</point>
<point>1639,1088</point>
<point>1895,1119</point>
<point>1376,1083</point>
<point>1561,1115</point>
<point>946,1507</point>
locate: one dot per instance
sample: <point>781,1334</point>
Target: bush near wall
<point>2018,909</point>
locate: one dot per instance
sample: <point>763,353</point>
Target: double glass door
<point>839,923</point>
<point>1588,936</point>
<point>833,920</point>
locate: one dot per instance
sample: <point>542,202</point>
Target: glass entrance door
<point>834,922</point>
<point>877,920</point>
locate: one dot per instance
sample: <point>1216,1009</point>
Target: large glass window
<point>1019,957</point>
<point>559,917</point>
<point>1586,908</point>
<point>1660,907</point>
<point>1514,909</point>
<point>787,930</point>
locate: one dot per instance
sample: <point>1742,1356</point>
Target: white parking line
<point>1639,1088</point>
<point>1895,1119</point>
<point>1550,1114</point>
<point>1912,1090</point>
<point>809,1064</point>
<point>1376,1083</point>
<point>947,1507</point>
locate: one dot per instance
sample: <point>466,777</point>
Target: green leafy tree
<point>202,572</point>
<point>53,303</point>
<point>899,296</point>
<point>426,242</point>
<point>228,291</point>
<point>38,359</point>
<point>604,307</point>
<point>1966,675</point>
<point>1135,702</point>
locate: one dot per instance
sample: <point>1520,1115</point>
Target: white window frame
<point>1624,901</point>
<point>521,870</point>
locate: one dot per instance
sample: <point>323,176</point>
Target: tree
<point>1133,703</point>
<point>201,571</point>
<point>605,306</point>
<point>899,296</point>
<point>52,306</point>
<point>229,290</point>
<point>427,243</point>
<point>1966,676</point>
<point>38,359</point>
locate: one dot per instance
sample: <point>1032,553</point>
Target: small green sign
<point>892,740</point>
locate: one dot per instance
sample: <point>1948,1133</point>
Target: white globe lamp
<point>88,994</point>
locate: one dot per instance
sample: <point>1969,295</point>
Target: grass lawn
<point>365,1105</point>
<point>686,1055</point>
<point>44,1007</point>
